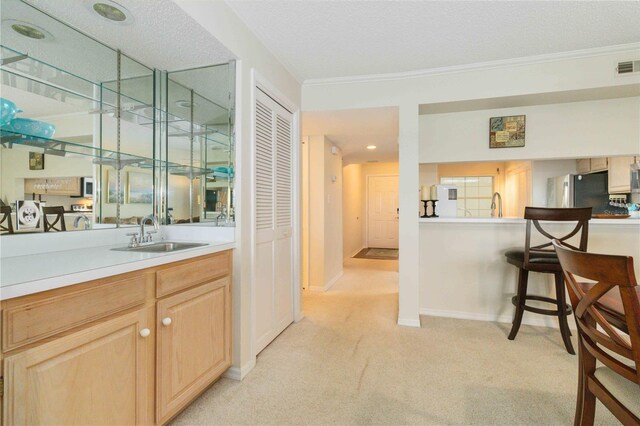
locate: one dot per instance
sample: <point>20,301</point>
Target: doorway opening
<point>350,191</point>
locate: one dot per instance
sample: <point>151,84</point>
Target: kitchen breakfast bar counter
<point>464,274</point>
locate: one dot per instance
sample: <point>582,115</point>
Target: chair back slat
<point>609,272</point>
<point>536,215</point>
<point>58,223</point>
<point>5,219</point>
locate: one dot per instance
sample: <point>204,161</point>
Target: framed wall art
<point>140,188</point>
<point>507,132</point>
<point>36,161</point>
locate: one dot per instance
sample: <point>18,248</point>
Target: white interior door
<point>273,200</point>
<point>382,211</point>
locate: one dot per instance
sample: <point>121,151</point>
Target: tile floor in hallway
<point>347,362</point>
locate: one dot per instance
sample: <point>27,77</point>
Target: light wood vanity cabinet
<point>193,325</point>
<point>112,351</point>
<point>98,375</point>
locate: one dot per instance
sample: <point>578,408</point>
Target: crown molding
<point>479,66</point>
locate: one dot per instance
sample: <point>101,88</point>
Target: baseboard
<point>409,322</point>
<point>333,280</point>
<point>355,252</point>
<point>327,286</point>
<point>537,320</point>
<point>239,373</point>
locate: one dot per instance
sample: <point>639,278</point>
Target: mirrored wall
<point>103,138</point>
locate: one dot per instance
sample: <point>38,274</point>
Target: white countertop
<point>33,273</point>
<point>515,220</point>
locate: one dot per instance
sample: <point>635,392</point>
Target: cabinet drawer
<point>192,272</point>
<point>33,318</point>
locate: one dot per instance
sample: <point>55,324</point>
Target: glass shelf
<point>61,148</point>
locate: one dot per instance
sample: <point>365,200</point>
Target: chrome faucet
<point>222,215</point>
<point>85,219</point>
<point>493,204</point>
<point>138,238</point>
<point>154,221</point>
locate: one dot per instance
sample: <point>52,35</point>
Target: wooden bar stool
<point>5,220</point>
<point>58,223</point>
<point>542,258</point>
<point>615,345</point>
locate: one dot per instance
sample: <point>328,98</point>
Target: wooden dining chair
<point>542,258</point>
<point>6,226</point>
<point>57,224</point>
<point>614,345</point>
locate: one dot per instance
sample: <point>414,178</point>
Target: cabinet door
<point>194,344</point>
<point>35,186</point>
<point>100,375</point>
<point>599,164</point>
<point>620,174</point>
<point>64,186</point>
<point>583,165</point>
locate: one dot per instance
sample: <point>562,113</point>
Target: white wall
<point>586,70</point>
<point>567,130</point>
<point>353,197</point>
<point>332,213</point>
<point>219,20</point>
<point>325,213</point>
<point>465,273</point>
<point>316,212</point>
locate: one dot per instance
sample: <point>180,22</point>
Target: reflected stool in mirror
<point>6,226</point>
<point>57,224</point>
<point>542,258</point>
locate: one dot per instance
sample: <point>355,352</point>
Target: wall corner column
<point>408,291</point>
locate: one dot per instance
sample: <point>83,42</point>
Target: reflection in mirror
<point>199,145</point>
<point>104,137</point>
<point>60,140</point>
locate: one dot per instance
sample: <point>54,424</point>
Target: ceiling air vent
<point>628,67</point>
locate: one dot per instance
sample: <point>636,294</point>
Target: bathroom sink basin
<point>162,247</point>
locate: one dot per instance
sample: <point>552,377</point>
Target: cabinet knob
<point>166,321</point>
<point>145,332</point>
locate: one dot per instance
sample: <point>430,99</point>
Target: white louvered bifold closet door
<point>274,203</point>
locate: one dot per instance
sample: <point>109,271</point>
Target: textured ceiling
<point>326,39</point>
<point>161,35</point>
<point>352,130</point>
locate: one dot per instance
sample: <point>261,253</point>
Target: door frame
<point>366,203</point>
<point>258,82</point>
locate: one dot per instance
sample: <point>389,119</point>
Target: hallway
<point>347,362</point>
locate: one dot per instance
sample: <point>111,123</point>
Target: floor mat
<point>377,253</point>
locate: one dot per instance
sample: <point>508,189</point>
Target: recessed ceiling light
<point>110,10</point>
<point>27,29</point>
<point>371,147</point>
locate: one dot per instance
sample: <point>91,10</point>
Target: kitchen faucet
<point>493,204</point>
<point>85,219</point>
<point>222,215</point>
<point>140,238</point>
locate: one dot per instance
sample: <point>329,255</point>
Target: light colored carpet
<point>347,362</point>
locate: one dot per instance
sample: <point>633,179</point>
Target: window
<point>474,194</point>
